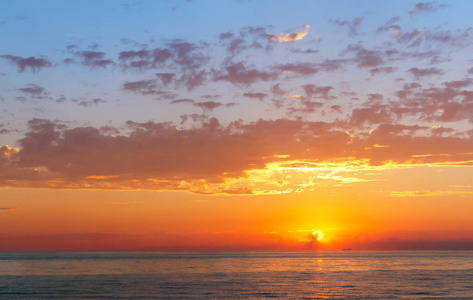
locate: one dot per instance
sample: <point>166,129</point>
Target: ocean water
<point>240,275</point>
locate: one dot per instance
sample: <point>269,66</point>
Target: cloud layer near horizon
<point>207,156</point>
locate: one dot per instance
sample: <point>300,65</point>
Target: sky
<point>236,125</point>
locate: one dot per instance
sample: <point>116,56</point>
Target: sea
<point>237,275</point>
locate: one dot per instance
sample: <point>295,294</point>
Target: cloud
<point>130,55</point>
<point>248,39</point>
<point>259,96</point>
<point>94,59</point>
<point>450,103</point>
<point>424,7</point>
<point>35,64</point>
<point>211,105</point>
<point>289,37</point>
<point>4,129</point>
<point>419,73</point>
<point>277,90</point>
<point>390,25</point>
<point>187,57</point>
<point>375,114</point>
<point>458,84</point>
<point>166,78</point>
<point>87,103</point>
<point>239,74</point>
<point>429,39</point>
<point>226,36</point>
<point>237,158</point>
<point>301,69</point>
<point>143,87</point>
<point>185,100</point>
<point>364,57</point>
<point>379,70</point>
<point>306,51</point>
<point>352,26</point>
<point>312,90</point>
<point>305,106</point>
<point>33,90</point>
<point>193,80</point>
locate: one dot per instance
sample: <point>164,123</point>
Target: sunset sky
<point>236,125</point>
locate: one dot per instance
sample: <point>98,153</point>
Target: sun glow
<point>318,235</point>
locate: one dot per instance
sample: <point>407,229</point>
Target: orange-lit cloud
<point>225,159</point>
<point>289,37</point>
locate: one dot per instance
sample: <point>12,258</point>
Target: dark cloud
<point>92,102</point>
<point>379,70</point>
<point>375,114</point>
<point>390,25</point>
<point>166,78</point>
<point>208,106</point>
<point>186,56</point>
<point>428,39</point>
<point>365,57</point>
<point>336,108</point>
<point>184,100</point>
<point>211,96</point>
<point>277,90</point>
<point>424,7</point>
<point>4,129</point>
<point>450,103</point>
<point>35,64</point>
<point>143,87</point>
<point>458,84</point>
<point>419,73</point>
<point>33,90</point>
<point>238,74</point>
<point>130,55</point>
<point>352,26</point>
<point>182,60</point>
<point>312,90</point>
<point>193,80</point>
<point>160,56</point>
<point>306,51</point>
<point>301,69</point>
<point>259,96</point>
<point>332,65</point>
<point>226,36</point>
<point>155,58</point>
<point>94,59</point>
<point>303,106</point>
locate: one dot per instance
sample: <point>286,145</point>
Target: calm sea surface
<point>286,275</point>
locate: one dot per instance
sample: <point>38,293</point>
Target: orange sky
<point>362,215</point>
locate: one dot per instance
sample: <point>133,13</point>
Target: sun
<point>318,235</point>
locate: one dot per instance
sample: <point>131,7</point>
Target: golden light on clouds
<point>290,37</point>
